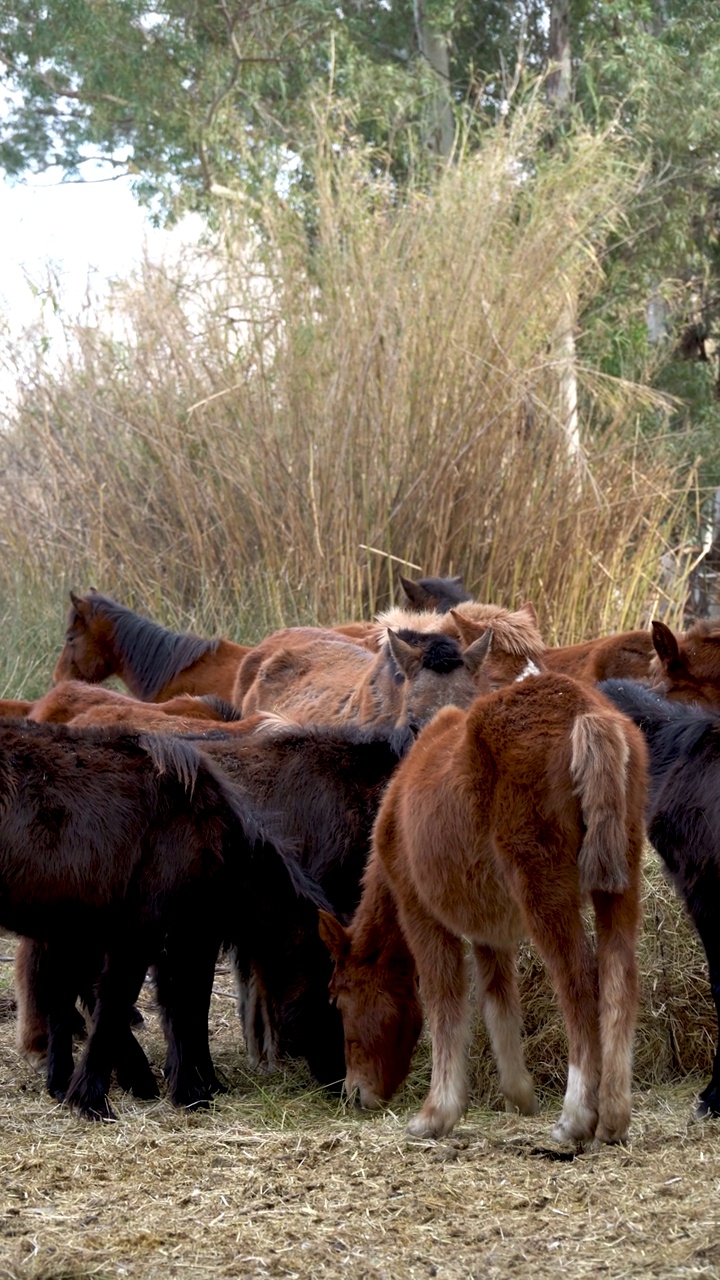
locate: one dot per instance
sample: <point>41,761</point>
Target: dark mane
<point>672,729</point>
<point>221,706</point>
<point>155,654</point>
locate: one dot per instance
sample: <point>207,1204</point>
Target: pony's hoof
<point>523,1104</point>
<point>422,1126</point>
<point>572,1130</point>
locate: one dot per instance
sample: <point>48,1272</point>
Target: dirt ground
<point>280,1180</point>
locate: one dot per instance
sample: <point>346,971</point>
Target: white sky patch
<point>83,235</point>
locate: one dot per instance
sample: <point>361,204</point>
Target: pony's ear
<point>665,644</point>
<point>333,934</point>
<point>476,653</point>
<point>407,656</point>
<point>417,595</point>
<point>79,604</point>
<point>529,609</point>
<point>468,630</point>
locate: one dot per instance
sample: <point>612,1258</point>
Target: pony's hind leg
<point>551,905</point>
<point>442,970</point>
<point>184,978</point>
<point>31,1034</point>
<point>500,1004</point>
<point>617,920</point>
<point>117,988</point>
<point>704,909</point>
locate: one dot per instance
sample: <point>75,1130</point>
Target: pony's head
<point>435,672</point>
<point>87,653</point>
<point>377,995</point>
<point>687,668</point>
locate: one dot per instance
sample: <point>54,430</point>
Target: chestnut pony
<point>68,699</point>
<point>497,825</point>
<point>314,674</point>
<point>686,668</point>
<point>105,639</point>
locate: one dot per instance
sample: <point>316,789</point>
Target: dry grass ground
<point>279,1180</point>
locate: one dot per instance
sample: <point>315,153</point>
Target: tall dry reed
<point>268,432</point>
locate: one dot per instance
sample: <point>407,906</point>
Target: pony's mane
<point>224,709</point>
<point>514,633</point>
<point>672,729</point>
<point>155,654</point>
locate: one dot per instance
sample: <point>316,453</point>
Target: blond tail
<point>599,768</point>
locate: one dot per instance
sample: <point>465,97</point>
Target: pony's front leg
<point>709,1102</point>
<point>500,1004</point>
<point>440,960</point>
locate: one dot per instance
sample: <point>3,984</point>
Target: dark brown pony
<point>497,825</point>
<point>105,639</point>
<point>118,852</point>
<point>684,819</point>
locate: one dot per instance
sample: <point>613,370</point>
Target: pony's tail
<point>599,769</point>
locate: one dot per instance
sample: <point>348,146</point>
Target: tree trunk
<point>435,50</point>
<point>559,89</point>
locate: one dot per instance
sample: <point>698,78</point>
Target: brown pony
<point>69,699</point>
<point>14,707</point>
<point>515,633</point>
<point>104,638</point>
<point>315,677</point>
<point>686,668</point>
<point>497,825</point>
<point>626,655</point>
<point>328,676</point>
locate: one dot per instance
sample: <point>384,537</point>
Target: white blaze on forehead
<point>528,670</point>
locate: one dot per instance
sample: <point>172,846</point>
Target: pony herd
<point>358,811</point>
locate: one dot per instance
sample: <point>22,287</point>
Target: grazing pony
<point>684,818</point>
<point>497,825</point>
<point>318,790</point>
<point>118,852</point>
<point>105,639</point>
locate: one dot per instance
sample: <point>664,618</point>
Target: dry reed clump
<point>264,435</point>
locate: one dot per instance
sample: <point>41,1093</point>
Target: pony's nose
<point>351,1095</point>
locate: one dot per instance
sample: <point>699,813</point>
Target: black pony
<point>440,594</point>
<point>684,817</point>
<point>121,851</point>
<point>318,790</point>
